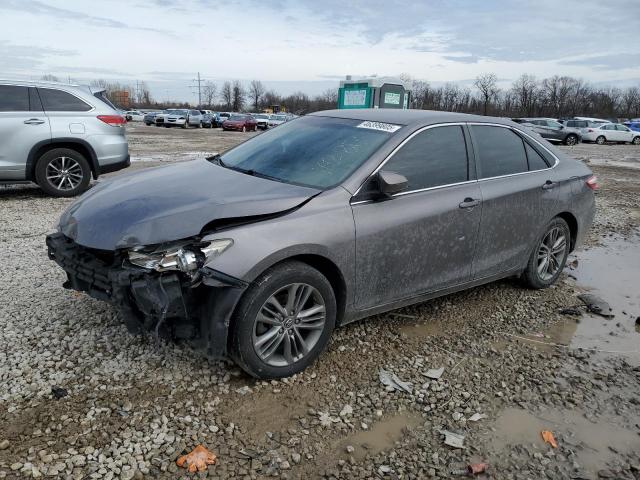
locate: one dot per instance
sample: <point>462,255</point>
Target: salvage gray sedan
<point>261,252</point>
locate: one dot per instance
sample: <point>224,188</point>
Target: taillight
<point>592,182</point>
<point>113,120</point>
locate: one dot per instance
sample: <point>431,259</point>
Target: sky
<point>310,45</point>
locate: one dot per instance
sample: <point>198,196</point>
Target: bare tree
<point>487,85</point>
<point>256,91</point>
<point>524,90</point>
<point>227,94</point>
<point>237,96</point>
<point>209,92</point>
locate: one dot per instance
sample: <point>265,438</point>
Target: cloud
<point>606,62</point>
<point>17,58</point>
<point>462,58</point>
<point>36,7</point>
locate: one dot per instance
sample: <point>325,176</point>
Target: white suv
<point>58,136</point>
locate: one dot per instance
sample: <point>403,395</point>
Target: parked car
<point>553,130</point>
<point>150,118</point>
<point>275,120</point>
<point>59,136</point>
<point>262,120</point>
<point>240,122</point>
<point>633,125</point>
<point>207,120</point>
<point>260,252</point>
<point>134,115</point>
<point>611,133</point>
<point>160,117</point>
<point>593,120</point>
<point>183,118</point>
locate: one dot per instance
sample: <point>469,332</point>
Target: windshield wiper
<point>217,160</point>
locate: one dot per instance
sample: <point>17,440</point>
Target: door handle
<point>469,203</point>
<point>548,185</point>
<point>34,121</point>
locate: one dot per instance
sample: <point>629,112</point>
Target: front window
<point>318,152</point>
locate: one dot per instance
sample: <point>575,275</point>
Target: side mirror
<point>391,183</point>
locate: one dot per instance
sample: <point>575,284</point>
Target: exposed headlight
<point>187,258</point>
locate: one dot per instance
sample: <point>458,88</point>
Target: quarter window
<point>14,98</point>
<point>622,128</point>
<point>434,157</point>
<point>59,101</point>
<point>500,151</point>
<point>536,162</point>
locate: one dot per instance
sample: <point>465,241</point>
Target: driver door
<point>422,239</point>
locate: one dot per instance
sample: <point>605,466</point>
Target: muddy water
<point>381,437</point>
<point>611,271</point>
<point>593,441</point>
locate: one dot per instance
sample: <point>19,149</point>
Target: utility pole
<point>199,82</point>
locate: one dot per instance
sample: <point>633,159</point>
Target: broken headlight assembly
<point>187,257</point>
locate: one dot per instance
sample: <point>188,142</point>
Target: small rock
<point>4,444</point>
<point>350,449</point>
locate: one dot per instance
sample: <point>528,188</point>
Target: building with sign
<point>376,92</point>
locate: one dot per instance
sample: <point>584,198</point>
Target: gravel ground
<point>133,405</point>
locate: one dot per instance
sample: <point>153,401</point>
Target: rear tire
<point>265,342</point>
<point>63,172</point>
<point>244,129</point>
<point>549,256</point>
<point>601,140</point>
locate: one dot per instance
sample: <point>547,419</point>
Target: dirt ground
<point>513,367</point>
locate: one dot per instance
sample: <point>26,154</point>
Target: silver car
<point>58,136</point>
<point>182,118</point>
<point>259,253</point>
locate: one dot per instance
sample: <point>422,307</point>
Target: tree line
<point>556,96</point>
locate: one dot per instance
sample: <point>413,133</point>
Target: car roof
<point>409,117</point>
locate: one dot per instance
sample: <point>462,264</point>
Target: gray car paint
<point>363,239</point>
<point>172,203</point>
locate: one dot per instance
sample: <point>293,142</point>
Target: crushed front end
<point>169,293</point>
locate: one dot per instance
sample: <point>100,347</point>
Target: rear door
<point>422,239</point>
<point>518,191</point>
<point>23,124</point>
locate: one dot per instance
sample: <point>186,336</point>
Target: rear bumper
<point>114,167</point>
<point>167,303</point>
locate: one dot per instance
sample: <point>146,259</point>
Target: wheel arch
<point>572,221</point>
<point>77,144</point>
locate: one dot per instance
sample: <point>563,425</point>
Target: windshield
<point>278,117</point>
<point>236,118</point>
<point>178,112</point>
<point>266,117</point>
<point>318,152</point>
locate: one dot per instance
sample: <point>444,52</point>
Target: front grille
<point>87,269</point>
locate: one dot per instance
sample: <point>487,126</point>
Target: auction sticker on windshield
<point>384,127</point>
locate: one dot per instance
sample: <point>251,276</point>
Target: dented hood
<point>171,203</point>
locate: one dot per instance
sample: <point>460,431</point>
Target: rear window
<point>59,101</point>
<point>14,98</point>
<point>501,151</point>
<point>103,98</point>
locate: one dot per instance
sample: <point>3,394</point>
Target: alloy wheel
<point>289,324</point>
<point>64,173</point>
<point>551,253</point>
<point>600,140</point>
<point>636,140</point>
<point>571,140</point>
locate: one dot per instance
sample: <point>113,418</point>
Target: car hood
<point>172,203</point>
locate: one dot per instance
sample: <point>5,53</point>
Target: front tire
<point>636,141</point>
<point>549,256</point>
<point>244,129</point>
<point>571,140</point>
<point>63,172</point>
<point>283,322</point>
<point>601,140</point>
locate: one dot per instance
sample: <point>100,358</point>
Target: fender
<point>32,157</point>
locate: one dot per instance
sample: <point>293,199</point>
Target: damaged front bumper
<point>168,303</point>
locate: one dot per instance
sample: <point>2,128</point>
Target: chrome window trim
<point>427,127</point>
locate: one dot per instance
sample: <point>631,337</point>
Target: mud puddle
<point>380,437</point>
<point>611,271</point>
<point>594,443</point>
